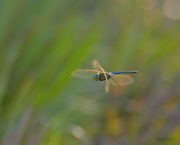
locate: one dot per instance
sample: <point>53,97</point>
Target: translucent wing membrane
<point>96,65</point>
<point>121,80</point>
<point>84,73</point>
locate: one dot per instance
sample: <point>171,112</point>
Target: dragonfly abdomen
<point>125,72</point>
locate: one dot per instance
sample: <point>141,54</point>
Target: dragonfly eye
<point>96,77</point>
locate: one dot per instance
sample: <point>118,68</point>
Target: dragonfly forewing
<point>96,65</point>
<point>84,73</point>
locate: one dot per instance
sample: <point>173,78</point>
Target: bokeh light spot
<point>78,132</point>
<point>171,9</point>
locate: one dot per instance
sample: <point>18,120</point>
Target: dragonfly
<point>99,74</point>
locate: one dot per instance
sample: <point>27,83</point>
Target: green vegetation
<point>42,42</point>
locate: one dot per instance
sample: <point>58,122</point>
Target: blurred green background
<point>42,42</point>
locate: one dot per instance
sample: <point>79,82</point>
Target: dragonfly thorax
<point>101,76</point>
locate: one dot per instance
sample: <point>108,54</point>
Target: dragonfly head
<point>96,77</point>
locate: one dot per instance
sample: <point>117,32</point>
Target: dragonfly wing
<point>84,73</point>
<point>112,81</point>
<point>121,80</point>
<point>97,66</point>
<point>107,86</point>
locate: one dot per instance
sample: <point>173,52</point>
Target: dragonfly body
<point>101,76</point>
<point>98,74</point>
